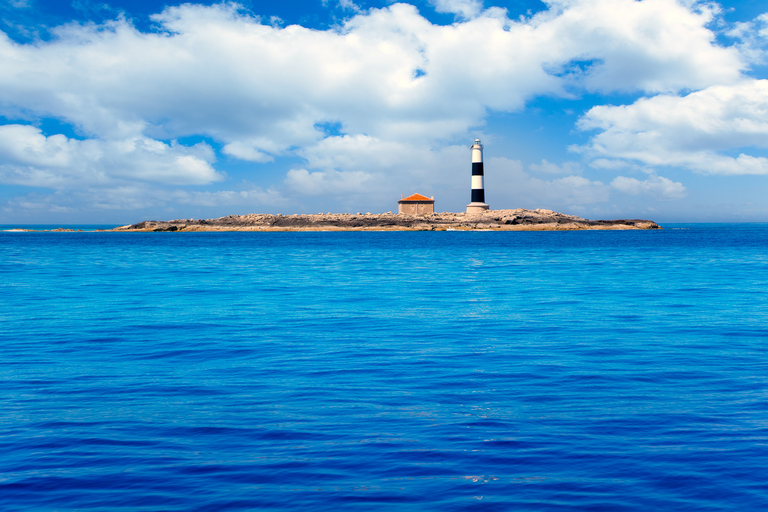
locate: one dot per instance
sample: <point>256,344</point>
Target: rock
<point>503,220</point>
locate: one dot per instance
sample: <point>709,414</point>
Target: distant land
<point>494,220</point>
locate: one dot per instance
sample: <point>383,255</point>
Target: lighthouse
<point>478,192</point>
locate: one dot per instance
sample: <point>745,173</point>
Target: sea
<point>378,371</point>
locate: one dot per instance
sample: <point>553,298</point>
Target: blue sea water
<point>450,371</point>
<point>50,227</point>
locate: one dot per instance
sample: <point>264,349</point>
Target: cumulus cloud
<point>27,157</point>
<point>357,151</point>
<point>106,200</point>
<point>326,182</point>
<point>377,170</point>
<point>653,46</point>
<point>657,186</point>
<point>141,196</point>
<point>253,196</point>
<point>513,186</point>
<point>612,164</point>
<point>247,151</point>
<point>546,167</point>
<point>572,190</point>
<point>349,5</point>
<point>390,162</point>
<point>217,71</point>
<point>464,9</point>
<point>695,131</point>
<point>752,39</point>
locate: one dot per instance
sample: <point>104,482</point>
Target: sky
<point>113,112</point>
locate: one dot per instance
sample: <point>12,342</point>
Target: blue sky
<point>116,112</point>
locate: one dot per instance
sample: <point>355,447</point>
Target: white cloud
<point>613,164</point>
<point>572,190</point>
<point>389,166</point>
<point>26,145</point>
<point>360,151</point>
<point>349,5</point>
<point>114,199</point>
<point>246,151</point>
<point>546,167</point>
<point>141,196</point>
<point>657,186</point>
<point>465,9</point>
<point>652,46</point>
<point>326,182</point>
<point>752,39</point>
<point>251,197</point>
<point>510,187</point>
<point>694,131</point>
<point>388,72</point>
<point>27,157</point>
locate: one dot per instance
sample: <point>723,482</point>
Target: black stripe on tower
<point>478,194</point>
<point>477,168</point>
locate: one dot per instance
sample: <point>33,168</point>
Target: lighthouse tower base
<point>477,207</point>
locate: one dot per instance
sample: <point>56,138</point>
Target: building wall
<point>416,208</point>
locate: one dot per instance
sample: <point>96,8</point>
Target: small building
<point>416,204</point>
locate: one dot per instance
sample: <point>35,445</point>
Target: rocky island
<point>494,220</point>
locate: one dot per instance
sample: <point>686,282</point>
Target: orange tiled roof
<point>417,197</point>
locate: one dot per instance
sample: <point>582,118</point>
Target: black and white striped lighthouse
<point>478,192</point>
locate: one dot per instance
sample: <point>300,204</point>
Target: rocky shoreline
<point>494,220</point>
